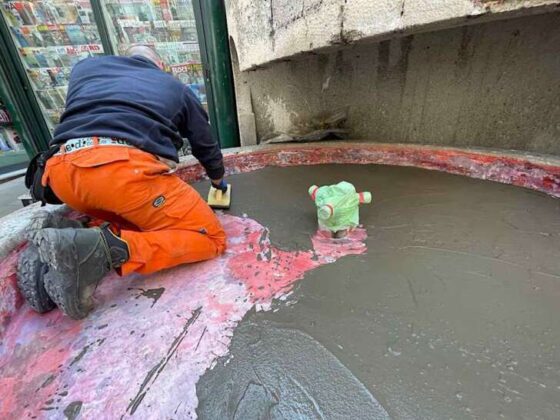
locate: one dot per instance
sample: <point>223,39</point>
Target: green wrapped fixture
<point>338,207</point>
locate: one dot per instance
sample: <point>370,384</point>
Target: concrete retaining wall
<point>269,30</point>
<point>488,85</point>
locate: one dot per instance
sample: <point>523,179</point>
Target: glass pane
<point>168,26</point>
<point>12,152</point>
<point>52,36</point>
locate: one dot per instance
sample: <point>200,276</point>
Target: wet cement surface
<point>452,313</point>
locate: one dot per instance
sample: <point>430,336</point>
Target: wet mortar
<point>452,312</point>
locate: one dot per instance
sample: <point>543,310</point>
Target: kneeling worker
<point>119,135</point>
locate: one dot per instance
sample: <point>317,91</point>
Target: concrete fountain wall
<point>110,363</point>
<point>273,30</point>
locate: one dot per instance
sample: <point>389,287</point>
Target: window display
<point>52,36</point>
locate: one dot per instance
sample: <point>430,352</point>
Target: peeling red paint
<point>10,298</point>
<point>268,272</point>
<point>523,171</point>
<point>131,356</point>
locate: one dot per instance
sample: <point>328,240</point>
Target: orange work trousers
<point>164,221</point>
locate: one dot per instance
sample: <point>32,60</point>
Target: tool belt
<point>36,168</point>
<point>74,145</point>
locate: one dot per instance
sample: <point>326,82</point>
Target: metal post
<point>101,23</point>
<point>214,46</point>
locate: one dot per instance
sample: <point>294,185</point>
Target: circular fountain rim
<point>537,172</point>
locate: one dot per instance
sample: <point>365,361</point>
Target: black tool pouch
<point>33,177</point>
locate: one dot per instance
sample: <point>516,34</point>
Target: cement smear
<point>451,313</point>
<point>280,373</point>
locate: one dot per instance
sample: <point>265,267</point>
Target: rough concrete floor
<point>9,193</point>
<point>452,313</point>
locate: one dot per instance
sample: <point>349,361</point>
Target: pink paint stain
<point>10,299</point>
<point>135,355</point>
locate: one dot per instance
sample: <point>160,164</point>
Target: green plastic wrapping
<point>338,206</point>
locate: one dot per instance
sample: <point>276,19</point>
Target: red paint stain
<point>10,298</point>
<point>48,361</point>
<point>268,272</point>
<point>510,169</point>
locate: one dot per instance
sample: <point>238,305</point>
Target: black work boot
<point>44,219</point>
<point>31,270</point>
<point>30,280</point>
<point>78,260</point>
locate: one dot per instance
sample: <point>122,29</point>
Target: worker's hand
<point>220,184</point>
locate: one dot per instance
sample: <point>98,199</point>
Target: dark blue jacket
<point>131,98</point>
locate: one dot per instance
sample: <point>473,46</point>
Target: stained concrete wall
<point>494,85</point>
<point>268,30</point>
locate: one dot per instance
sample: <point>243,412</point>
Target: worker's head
<point>146,52</point>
